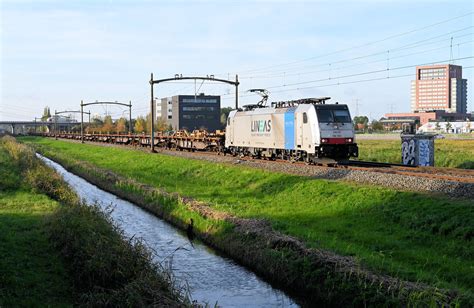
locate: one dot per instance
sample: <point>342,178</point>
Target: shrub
<point>107,270</point>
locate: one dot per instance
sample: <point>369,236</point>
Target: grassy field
<point>413,236</point>
<point>56,251</point>
<point>448,153</point>
<point>31,270</point>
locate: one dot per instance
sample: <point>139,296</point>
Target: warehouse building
<point>192,112</point>
<point>429,116</point>
<point>464,127</point>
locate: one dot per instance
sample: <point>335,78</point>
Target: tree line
<point>139,125</point>
<point>362,123</point>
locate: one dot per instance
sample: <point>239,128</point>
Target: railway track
<point>445,174</point>
<point>450,174</point>
<point>464,176</point>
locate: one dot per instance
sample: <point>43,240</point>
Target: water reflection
<point>211,278</point>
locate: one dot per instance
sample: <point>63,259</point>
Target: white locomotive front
<point>304,129</point>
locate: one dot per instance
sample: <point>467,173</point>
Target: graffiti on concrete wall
<point>418,150</point>
<point>425,151</point>
<point>408,151</point>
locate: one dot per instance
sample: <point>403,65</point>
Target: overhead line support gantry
<point>180,77</point>
<point>129,105</point>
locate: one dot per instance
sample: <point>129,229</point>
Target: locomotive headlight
<point>349,140</point>
<point>324,140</point>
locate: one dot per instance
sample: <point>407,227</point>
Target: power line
<point>347,82</point>
<point>367,73</point>
<point>352,65</point>
<point>383,52</point>
<point>332,84</point>
<point>359,74</point>
<point>360,46</point>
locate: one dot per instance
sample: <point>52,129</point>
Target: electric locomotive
<point>304,129</point>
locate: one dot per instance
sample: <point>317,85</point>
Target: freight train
<point>304,129</point>
<point>298,130</point>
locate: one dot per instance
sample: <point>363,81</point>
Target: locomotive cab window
<point>305,118</point>
<point>228,121</point>
<point>342,116</point>
<point>333,115</point>
<point>325,116</point>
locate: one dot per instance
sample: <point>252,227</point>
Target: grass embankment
<point>412,236</point>
<point>31,270</point>
<point>448,153</point>
<point>102,269</point>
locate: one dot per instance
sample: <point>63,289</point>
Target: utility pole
<point>55,125</point>
<point>82,122</point>
<point>357,106</point>
<point>130,119</point>
<point>152,109</point>
<point>236,92</point>
<point>451,51</point>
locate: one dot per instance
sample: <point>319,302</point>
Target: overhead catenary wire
<point>330,69</point>
<point>411,45</point>
<point>368,72</point>
<point>342,83</point>
<point>280,73</point>
<point>355,47</point>
<point>330,66</point>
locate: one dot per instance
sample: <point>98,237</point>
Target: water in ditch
<point>211,278</point>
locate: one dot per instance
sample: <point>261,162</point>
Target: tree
<point>108,124</point>
<point>361,122</point>
<point>468,126</point>
<point>95,125</point>
<point>121,125</point>
<point>161,124</point>
<point>448,127</point>
<point>140,124</point>
<point>377,126</point>
<point>224,114</point>
<point>46,114</point>
<point>148,123</point>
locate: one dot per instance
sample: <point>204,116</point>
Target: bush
<point>107,270</point>
<point>36,174</point>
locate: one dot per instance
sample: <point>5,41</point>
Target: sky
<point>362,53</point>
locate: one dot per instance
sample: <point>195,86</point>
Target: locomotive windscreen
<point>334,113</point>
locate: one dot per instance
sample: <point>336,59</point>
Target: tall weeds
<point>36,174</point>
<point>106,269</point>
